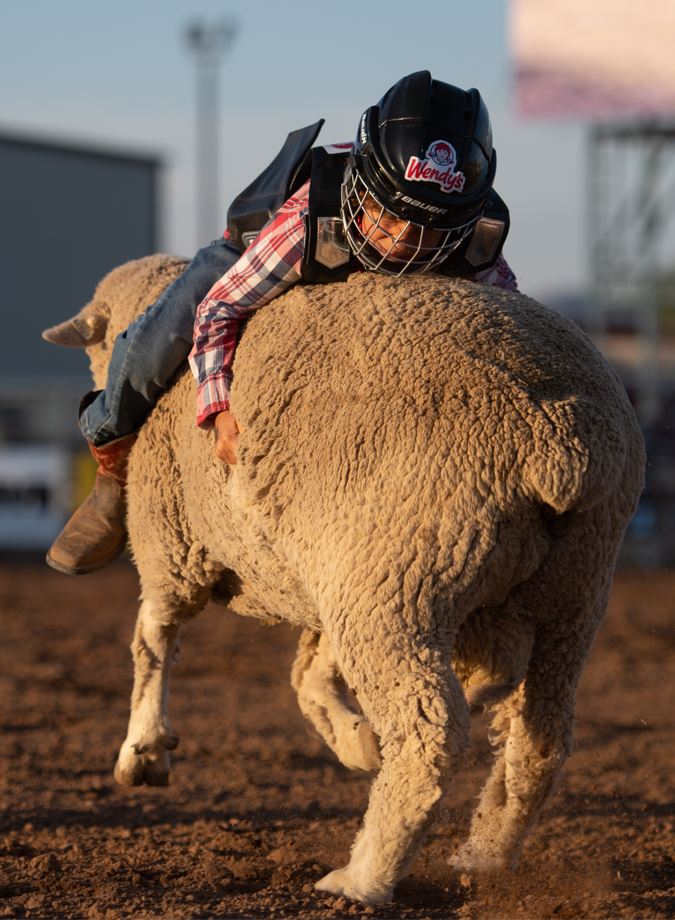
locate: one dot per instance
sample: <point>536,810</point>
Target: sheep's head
<point>121,296</point>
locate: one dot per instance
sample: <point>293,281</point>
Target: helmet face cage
<point>405,252</point>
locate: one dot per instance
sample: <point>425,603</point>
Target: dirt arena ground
<point>259,809</point>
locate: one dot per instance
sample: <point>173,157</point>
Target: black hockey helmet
<point>423,155</point>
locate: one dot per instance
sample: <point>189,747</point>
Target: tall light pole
<point>208,44</point>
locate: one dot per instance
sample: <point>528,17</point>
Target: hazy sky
<point>120,74</point>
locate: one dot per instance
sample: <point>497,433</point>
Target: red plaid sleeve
<point>270,265</point>
<point>500,275</point>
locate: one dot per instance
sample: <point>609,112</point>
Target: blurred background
<point>127,128</point>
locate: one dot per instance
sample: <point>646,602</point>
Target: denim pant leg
<point>146,356</point>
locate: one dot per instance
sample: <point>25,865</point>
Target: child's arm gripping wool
<point>269,266</point>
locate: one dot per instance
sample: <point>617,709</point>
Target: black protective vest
<point>327,256</point>
<point>259,202</point>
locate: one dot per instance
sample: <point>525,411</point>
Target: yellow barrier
<point>84,474</point>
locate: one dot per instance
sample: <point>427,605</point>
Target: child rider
<point>413,193</point>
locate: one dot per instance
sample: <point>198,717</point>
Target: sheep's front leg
<point>323,700</point>
<point>144,755</point>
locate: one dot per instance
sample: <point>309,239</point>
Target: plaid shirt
<point>270,265</point>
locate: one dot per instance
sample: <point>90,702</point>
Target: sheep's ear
<point>82,330</point>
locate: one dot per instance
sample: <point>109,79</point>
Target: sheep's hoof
<point>340,883</point>
<point>472,861</point>
<point>139,764</point>
<point>358,748</point>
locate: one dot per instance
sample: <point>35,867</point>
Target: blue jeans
<point>147,355</point>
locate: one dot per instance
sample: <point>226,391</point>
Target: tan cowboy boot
<point>96,533</point>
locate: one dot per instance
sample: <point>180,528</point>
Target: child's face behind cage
<point>394,237</point>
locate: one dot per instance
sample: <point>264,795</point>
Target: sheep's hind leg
<point>323,700</point>
<point>417,707</point>
<point>144,755</point>
<point>535,726</point>
<point>534,731</point>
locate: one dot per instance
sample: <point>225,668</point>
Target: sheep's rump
<point>408,378</point>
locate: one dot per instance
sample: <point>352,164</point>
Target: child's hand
<point>227,435</point>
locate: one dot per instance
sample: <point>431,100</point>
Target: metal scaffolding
<point>631,199</point>
<point>631,196</point>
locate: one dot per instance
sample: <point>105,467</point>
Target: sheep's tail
<point>577,458</point>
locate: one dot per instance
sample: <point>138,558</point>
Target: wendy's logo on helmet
<point>443,153</point>
<point>439,154</point>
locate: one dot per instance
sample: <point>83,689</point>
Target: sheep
<point>434,479</point>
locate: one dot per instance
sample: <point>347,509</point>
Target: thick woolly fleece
<point>435,476</point>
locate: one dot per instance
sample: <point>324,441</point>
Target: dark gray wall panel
<point>67,216</point>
